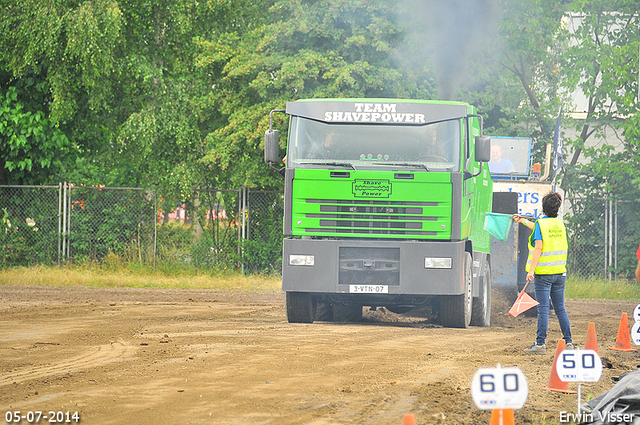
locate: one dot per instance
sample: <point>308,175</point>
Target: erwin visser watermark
<point>613,418</point>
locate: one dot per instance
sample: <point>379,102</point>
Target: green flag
<point>498,225</point>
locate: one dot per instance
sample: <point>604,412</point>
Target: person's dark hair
<point>551,204</point>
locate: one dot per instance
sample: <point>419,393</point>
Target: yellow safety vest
<point>554,247</point>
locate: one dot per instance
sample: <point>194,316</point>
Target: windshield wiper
<point>337,164</point>
<point>401,164</point>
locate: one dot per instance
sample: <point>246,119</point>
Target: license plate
<point>368,289</point>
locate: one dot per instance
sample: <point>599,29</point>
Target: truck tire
<point>301,307</point>
<point>455,310</point>
<point>481,311</point>
<point>347,313</point>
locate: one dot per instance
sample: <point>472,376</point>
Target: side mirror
<point>483,148</point>
<point>272,146</point>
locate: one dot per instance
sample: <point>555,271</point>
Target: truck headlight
<point>437,263</point>
<point>301,260</point>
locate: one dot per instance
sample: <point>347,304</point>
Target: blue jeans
<point>551,285</point>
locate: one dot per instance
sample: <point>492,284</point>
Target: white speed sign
<point>579,366</point>
<point>499,388</point>
<point>635,333</point>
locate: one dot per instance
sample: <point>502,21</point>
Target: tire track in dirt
<point>95,357</point>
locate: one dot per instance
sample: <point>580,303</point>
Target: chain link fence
<point>262,247</point>
<point>98,221</point>
<point>30,227</point>
<point>217,230</point>
<point>603,237</point>
<point>236,229</point>
<point>205,234</point>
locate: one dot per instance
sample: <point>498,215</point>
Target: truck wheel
<point>301,307</point>
<point>455,310</point>
<point>347,313</point>
<point>481,311</point>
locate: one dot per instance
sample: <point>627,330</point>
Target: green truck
<point>384,207</point>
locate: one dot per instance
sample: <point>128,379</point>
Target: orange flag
<point>523,303</point>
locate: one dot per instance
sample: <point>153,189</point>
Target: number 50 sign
<point>579,366</point>
<point>499,388</point>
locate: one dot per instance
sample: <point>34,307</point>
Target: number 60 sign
<point>499,388</point>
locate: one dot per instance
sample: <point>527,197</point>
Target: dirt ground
<point>160,356</point>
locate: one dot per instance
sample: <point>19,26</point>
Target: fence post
<point>247,232</point>
<point>606,236</point>
<point>59,220</point>
<point>155,226</point>
<point>610,241</point>
<point>64,219</point>
<point>244,224</point>
<point>69,222</point>
<point>239,252</point>
<point>615,228</point>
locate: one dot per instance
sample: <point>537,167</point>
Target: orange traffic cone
<point>623,341</point>
<point>502,417</point>
<point>409,419</point>
<point>592,341</point>
<point>555,384</point>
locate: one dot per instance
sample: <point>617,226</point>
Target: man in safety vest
<point>547,268</point>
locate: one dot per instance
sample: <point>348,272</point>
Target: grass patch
<point>115,276</point>
<point>602,289</point>
<point>113,273</point>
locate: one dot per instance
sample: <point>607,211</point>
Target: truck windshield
<point>433,146</point>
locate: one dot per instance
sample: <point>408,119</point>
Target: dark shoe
<point>536,349</point>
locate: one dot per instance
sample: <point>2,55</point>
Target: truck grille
<point>372,217</point>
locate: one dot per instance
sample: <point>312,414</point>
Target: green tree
<point>159,140</point>
<point>59,57</point>
<point>602,62</point>
<point>311,49</point>
<point>118,78</point>
<point>54,57</point>
<point>31,146</point>
<point>70,45</point>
